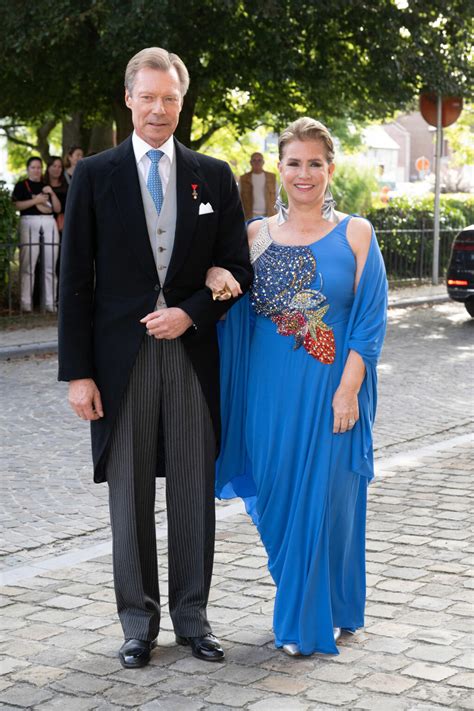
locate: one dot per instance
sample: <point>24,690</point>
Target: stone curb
<point>32,349</point>
<point>418,301</point>
<point>28,349</point>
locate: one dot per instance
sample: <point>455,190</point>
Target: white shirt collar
<point>141,147</point>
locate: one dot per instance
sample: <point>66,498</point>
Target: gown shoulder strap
<point>261,242</point>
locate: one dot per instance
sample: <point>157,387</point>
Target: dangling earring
<point>281,207</point>
<point>329,205</point>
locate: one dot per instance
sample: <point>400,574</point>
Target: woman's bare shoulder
<point>252,230</point>
<point>359,234</point>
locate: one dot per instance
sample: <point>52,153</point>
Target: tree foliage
<point>353,185</point>
<point>8,223</point>
<point>461,138</point>
<point>249,60</point>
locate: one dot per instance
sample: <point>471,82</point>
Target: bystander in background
<point>73,156</point>
<point>37,203</point>
<point>54,176</point>
<point>258,189</point>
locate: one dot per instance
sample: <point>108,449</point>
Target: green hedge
<point>353,186</point>
<point>406,213</point>
<point>8,234</point>
<point>404,230</point>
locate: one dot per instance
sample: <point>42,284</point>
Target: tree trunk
<point>183,130</point>
<point>197,143</point>
<point>123,120</point>
<point>75,133</point>
<point>102,137</point>
<point>42,134</point>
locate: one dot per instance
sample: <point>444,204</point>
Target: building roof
<point>377,137</point>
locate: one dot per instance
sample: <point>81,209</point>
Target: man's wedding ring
<point>222,294</point>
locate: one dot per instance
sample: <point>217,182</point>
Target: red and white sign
<point>422,164</point>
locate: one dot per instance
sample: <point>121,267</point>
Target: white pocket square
<point>205,208</point>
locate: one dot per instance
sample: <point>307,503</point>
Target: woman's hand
<point>345,408</point>
<point>43,203</point>
<point>222,284</point>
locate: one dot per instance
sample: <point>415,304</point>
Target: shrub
<point>464,202</point>
<point>352,187</point>
<point>407,213</point>
<point>404,230</point>
<point>8,224</point>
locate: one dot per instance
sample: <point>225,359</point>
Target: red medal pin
<point>194,187</point>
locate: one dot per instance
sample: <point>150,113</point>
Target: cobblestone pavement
<point>60,632</point>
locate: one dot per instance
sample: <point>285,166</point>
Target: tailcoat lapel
<point>126,187</point>
<point>188,174</point>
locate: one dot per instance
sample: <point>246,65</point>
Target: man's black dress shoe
<point>208,648</point>
<point>135,653</point>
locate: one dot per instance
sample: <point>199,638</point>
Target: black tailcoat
<point>109,281</point>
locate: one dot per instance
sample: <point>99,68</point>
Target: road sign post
<point>439,111</point>
<point>439,143</point>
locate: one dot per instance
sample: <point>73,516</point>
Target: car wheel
<point>469,307</point>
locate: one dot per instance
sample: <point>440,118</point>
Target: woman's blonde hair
<point>156,58</point>
<point>306,129</point>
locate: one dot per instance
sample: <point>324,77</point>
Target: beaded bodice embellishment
<point>281,291</point>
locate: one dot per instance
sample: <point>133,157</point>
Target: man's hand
<point>84,398</point>
<point>167,323</point>
<point>222,283</point>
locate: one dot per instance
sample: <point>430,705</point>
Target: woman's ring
<point>351,423</point>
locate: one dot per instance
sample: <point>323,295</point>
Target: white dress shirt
<point>258,189</point>
<point>140,149</point>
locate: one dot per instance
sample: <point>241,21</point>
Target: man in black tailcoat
<point>137,343</point>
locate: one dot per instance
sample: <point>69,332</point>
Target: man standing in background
<point>258,189</point>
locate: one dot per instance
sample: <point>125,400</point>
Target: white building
<point>382,152</point>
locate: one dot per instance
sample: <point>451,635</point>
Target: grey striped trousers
<point>163,382</point>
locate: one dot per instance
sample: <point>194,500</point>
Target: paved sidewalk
<point>61,636</point>
<point>45,451</point>
<point>22,342</point>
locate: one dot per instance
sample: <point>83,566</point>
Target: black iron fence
<point>29,269</point>
<point>407,253</point>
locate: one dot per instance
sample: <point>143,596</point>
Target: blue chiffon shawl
<point>365,334</point>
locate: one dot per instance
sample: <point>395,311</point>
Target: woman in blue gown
<point>298,379</point>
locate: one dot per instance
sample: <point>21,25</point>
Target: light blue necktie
<point>154,181</point>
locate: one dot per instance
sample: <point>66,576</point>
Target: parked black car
<point>460,276</point>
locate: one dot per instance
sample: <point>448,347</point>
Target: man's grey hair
<point>156,58</point>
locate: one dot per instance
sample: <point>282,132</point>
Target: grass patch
<point>15,322</point>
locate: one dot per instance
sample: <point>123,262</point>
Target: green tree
<point>353,186</point>
<point>248,59</point>
<point>461,138</point>
<point>8,223</point>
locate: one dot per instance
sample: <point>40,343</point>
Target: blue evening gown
<point>283,350</point>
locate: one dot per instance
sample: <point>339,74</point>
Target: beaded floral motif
<point>280,291</point>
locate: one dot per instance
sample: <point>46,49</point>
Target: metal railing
<point>408,253</point>
<point>29,273</point>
